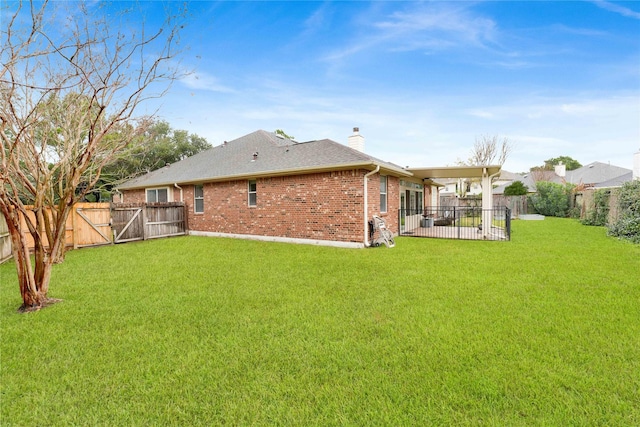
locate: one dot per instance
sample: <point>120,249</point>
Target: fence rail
<point>94,224</point>
<point>142,221</point>
<point>455,222</point>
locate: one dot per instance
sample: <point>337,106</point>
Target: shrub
<point>627,226</point>
<point>516,188</point>
<point>551,199</point>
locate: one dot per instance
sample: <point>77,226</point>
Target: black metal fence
<point>455,222</point>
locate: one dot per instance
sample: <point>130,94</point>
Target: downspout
<point>366,206</point>
<point>175,184</point>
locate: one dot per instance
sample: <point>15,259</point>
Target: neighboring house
<point>268,187</point>
<point>596,173</point>
<point>618,181</point>
<point>593,175</point>
<point>460,187</point>
<point>527,179</point>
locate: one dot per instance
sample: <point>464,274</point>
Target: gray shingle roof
<point>275,156</point>
<point>598,174</point>
<point>595,173</point>
<point>617,181</point>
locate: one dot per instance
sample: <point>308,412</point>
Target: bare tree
<point>542,175</point>
<point>69,89</point>
<point>490,150</point>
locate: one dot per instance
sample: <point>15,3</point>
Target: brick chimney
<point>356,141</point>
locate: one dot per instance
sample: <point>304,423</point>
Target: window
<point>157,195</point>
<point>383,193</point>
<point>253,193</point>
<point>198,198</point>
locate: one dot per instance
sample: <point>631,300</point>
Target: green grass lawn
<point>541,330</point>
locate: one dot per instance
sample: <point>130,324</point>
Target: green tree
<point>158,146</point>
<point>549,164</point>
<point>551,199</point>
<point>516,188</point>
<point>283,134</point>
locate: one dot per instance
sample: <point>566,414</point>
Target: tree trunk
<point>32,296</point>
<point>33,282</point>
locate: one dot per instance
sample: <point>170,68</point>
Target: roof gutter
<point>283,172</point>
<point>366,206</point>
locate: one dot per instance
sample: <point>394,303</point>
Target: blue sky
<point>421,80</point>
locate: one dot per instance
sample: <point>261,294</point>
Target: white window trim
<point>195,199</point>
<point>169,193</point>
<point>386,194</point>
<point>249,193</point>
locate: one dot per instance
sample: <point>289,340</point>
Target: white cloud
<point>483,114</point>
<point>429,27</point>
<point>204,81</point>
<point>616,8</point>
<point>578,108</point>
<point>436,24</point>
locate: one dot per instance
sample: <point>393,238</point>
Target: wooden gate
<point>91,225</point>
<point>142,221</point>
<point>5,240</point>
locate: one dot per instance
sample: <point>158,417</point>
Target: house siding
<point>318,206</point>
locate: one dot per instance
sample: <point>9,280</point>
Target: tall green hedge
<point>627,225</point>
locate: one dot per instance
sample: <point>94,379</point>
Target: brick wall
<point>322,206</point>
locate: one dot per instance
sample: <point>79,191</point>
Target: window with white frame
<point>383,193</point>
<point>157,195</point>
<point>198,198</point>
<point>253,192</point>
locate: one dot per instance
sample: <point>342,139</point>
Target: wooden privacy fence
<point>142,221</point>
<point>517,204</point>
<point>5,241</point>
<point>88,224</point>
<point>94,224</point>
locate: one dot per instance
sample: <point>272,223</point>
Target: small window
<point>383,193</point>
<point>157,195</point>
<point>198,199</point>
<point>253,193</point>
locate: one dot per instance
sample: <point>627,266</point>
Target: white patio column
<point>487,203</point>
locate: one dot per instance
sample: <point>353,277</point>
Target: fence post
<point>74,229</point>
<point>144,221</point>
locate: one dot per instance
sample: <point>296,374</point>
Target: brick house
<point>267,187</point>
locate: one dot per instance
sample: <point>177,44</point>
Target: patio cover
<point>454,172</point>
<point>486,173</point>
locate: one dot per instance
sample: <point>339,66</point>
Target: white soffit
<point>454,171</point>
